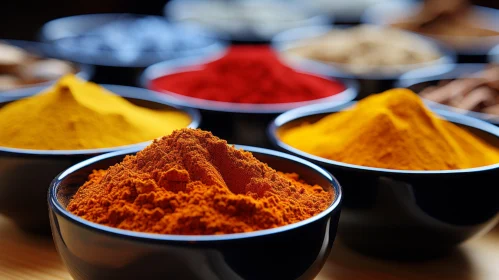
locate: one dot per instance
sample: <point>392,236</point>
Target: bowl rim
<point>248,35</point>
<point>196,63</point>
<point>101,59</point>
<point>371,16</point>
<point>291,37</point>
<point>414,78</point>
<point>58,208</point>
<point>324,109</point>
<point>123,91</point>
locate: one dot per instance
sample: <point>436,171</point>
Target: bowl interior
<point>485,131</point>
<point>67,183</point>
<point>140,97</point>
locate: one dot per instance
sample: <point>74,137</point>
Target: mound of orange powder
<point>194,183</point>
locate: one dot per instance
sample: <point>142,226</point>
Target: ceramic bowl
<point>93,251</point>
<point>469,50</point>
<point>378,80</point>
<point>494,55</point>
<point>110,67</point>
<point>237,123</point>
<point>83,71</point>
<point>407,214</point>
<point>26,174</point>
<point>416,81</point>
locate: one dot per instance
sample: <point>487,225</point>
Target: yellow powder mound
<point>75,114</point>
<point>392,130</point>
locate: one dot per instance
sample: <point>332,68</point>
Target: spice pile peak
<point>192,182</point>
<point>392,130</point>
<point>76,114</point>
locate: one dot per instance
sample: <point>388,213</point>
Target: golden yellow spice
<point>392,130</point>
<point>75,114</point>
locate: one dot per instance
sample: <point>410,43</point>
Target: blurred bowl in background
<point>93,251</point>
<point>122,45</point>
<point>494,55</point>
<point>244,21</point>
<point>417,81</point>
<point>469,49</point>
<point>372,78</point>
<point>25,174</point>
<point>236,122</point>
<point>402,214</point>
<point>41,68</point>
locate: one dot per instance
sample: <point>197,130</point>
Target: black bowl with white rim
<point>120,46</point>
<point>417,82</point>
<point>26,174</point>
<point>93,251</point>
<point>236,122</point>
<point>402,214</point>
<point>469,50</point>
<point>373,79</point>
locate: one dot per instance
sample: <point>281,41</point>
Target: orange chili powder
<point>194,183</point>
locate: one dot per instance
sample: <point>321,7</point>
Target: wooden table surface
<point>24,256</point>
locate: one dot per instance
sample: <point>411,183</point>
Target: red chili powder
<point>248,74</point>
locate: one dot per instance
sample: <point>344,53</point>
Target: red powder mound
<point>248,74</point>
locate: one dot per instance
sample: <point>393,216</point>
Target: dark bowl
<point>84,71</point>
<point>109,67</point>
<point>93,251</point>
<point>25,174</point>
<point>475,50</point>
<point>254,32</point>
<point>416,81</point>
<point>494,55</point>
<point>407,214</point>
<point>237,123</point>
<point>378,80</point>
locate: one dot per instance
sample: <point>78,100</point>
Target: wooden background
<point>24,256</point>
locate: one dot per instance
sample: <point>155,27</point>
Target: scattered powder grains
<point>75,114</point>
<point>193,183</point>
<point>392,130</point>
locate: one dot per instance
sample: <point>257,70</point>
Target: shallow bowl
<point>414,81</point>
<point>25,174</point>
<point>468,50</point>
<point>93,251</point>
<point>381,78</point>
<point>407,214</point>
<point>236,122</point>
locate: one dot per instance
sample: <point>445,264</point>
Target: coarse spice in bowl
<point>471,89</point>
<point>417,184</point>
<point>191,196</point>
<point>376,56</point>
<point>240,91</point>
<point>46,130</point>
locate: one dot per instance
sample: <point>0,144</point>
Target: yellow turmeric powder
<point>392,130</point>
<point>75,114</point>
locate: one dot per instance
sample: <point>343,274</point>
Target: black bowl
<point>110,68</point>
<point>237,123</point>
<point>25,174</point>
<point>84,71</point>
<point>408,214</point>
<point>416,81</point>
<point>474,51</point>
<point>378,80</point>
<point>93,251</point>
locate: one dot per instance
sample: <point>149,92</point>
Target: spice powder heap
<point>392,130</point>
<point>194,183</point>
<point>250,75</point>
<point>76,114</point>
